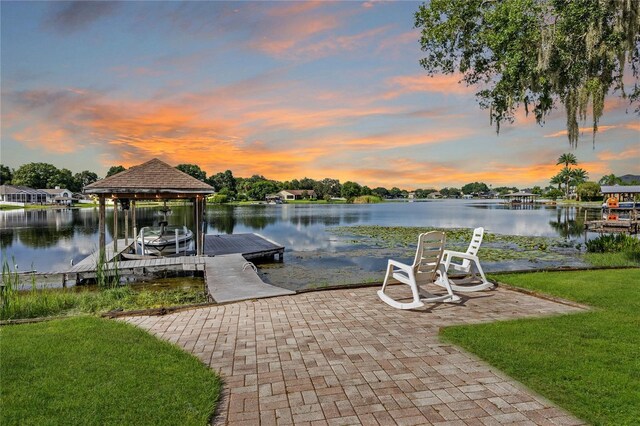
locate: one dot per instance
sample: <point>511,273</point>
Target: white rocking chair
<point>425,269</point>
<point>463,285</point>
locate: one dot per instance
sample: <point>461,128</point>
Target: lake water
<point>47,240</point>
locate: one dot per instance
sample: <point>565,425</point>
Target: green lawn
<point>93,371</point>
<point>588,363</point>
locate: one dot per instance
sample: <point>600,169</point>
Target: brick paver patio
<point>343,357</point>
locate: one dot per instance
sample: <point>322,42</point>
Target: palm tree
<point>566,159</point>
<point>557,180</point>
<point>565,176</point>
<point>578,176</point>
<point>610,180</point>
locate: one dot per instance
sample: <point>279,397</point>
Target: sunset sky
<point>282,89</point>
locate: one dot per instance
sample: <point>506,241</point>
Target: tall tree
<point>535,53</point>
<point>610,180</point>
<point>34,175</point>
<point>565,174</point>
<point>351,190</point>
<point>223,180</point>
<point>556,180</point>
<point>6,174</point>
<point>62,178</point>
<point>578,176</point>
<point>84,178</point>
<point>193,170</point>
<point>115,170</point>
<point>567,159</point>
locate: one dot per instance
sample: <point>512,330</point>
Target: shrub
<point>219,199</point>
<point>620,243</point>
<point>367,199</point>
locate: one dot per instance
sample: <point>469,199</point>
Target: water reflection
<point>49,239</point>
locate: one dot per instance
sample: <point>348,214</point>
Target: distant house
<point>59,195</point>
<point>296,194</point>
<point>21,195</point>
<point>434,195</point>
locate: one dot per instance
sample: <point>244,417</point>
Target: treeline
<point>44,175</point>
<point>257,187</point>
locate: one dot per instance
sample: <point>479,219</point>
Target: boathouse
<point>621,192</point>
<point>153,180</point>
<point>521,197</point>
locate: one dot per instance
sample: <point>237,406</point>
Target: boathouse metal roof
<point>520,194</point>
<point>620,189</point>
<point>154,178</point>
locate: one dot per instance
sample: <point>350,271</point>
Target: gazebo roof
<point>153,178</point>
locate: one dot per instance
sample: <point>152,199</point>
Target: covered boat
<point>164,240</point>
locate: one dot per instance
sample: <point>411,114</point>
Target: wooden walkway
<point>230,278</point>
<point>90,262</point>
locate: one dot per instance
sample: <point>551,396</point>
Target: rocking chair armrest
<point>399,265</point>
<point>451,254</point>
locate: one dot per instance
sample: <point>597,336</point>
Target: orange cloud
<point>601,129</point>
<point>442,83</point>
<point>624,155</point>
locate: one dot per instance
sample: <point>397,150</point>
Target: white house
<point>297,194</point>
<point>21,195</point>
<point>58,195</point>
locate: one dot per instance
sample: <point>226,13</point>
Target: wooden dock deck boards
<point>227,281</point>
<point>249,245</point>
<point>89,263</point>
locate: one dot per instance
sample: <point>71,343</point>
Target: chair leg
<point>416,303</point>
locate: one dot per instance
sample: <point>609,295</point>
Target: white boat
<point>162,240</point>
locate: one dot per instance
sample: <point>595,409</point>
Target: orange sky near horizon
<point>286,90</point>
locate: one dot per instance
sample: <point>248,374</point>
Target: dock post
<point>115,226</point>
<point>177,243</point>
<point>101,226</point>
<point>142,241</point>
<point>126,228</point>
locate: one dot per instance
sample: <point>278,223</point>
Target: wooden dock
<point>251,246</point>
<point>228,275</point>
<point>613,226</point>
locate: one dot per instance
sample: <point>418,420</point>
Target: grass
<point>67,302</point>
<point>609,260</point>
<point>588,363</point>
<point>92,371</point>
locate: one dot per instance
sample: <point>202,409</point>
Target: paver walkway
<point>344,357</point>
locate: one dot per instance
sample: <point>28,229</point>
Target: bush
<point>367,199</point>
<point>589,191</point>
<point>620,243</point>
<point>219,199</point>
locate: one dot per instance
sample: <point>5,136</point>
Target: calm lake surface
<point>47,240</point>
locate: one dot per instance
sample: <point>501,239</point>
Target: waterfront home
<point>21,195</point>
<point>297,194</point>
<point>59,195</point>
<point>434,195</point>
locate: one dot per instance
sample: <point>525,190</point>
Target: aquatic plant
<point>107,274</point>
<point>8,288</point>
<point>620,243</point>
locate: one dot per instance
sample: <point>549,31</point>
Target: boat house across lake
<point>153,180</point>
<point>521,197</point>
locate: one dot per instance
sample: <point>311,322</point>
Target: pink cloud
<point>443,83</point>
